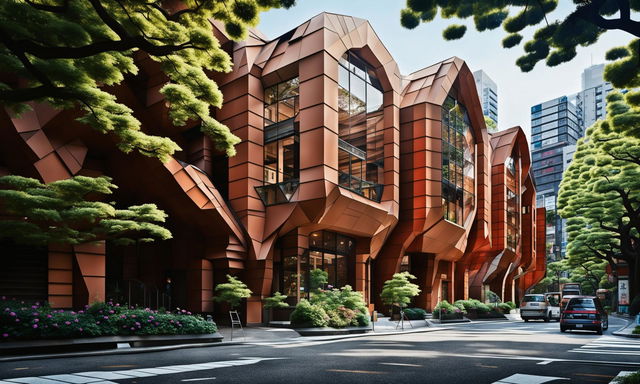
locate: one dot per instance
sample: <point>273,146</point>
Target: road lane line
<point>357,371</point>
<point>402,364</point>
<point>199,379</point>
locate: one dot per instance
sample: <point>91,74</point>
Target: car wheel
<point>606,325</point>
<point>599,331</point>
<point>547,318</point>
<point>526,320</point>
<point>563,329</point>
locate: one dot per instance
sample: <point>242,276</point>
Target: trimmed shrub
<point>22,321</point>
<point>449,311</point>
<point>342,306</point>
<point>309,315</point>
<point>636,331</point>
<point>415,313</point>
<point>511,304</point>
<point>504,308</point>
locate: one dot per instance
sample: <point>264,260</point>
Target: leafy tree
<point>232,292</point>
<point>399,290</point>
<point>318,279</point>
<point>600,192</point>
<point>553,276</point>
<point>67,52</point>
<point>491,125</point>
<point>64,212</point>
<point>554,41</point>
<point>276,301</point>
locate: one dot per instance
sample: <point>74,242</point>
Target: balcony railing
<point>278,193</point>
<point>371,191</point>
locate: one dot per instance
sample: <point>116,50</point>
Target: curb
<point>620,332</point>
<point>125,351</point>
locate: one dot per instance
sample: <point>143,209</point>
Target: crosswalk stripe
<point>609,345</point>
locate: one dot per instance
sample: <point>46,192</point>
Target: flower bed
<point>448,311</point>
<point>23,321</point>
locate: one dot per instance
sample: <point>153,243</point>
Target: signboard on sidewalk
<point>623,292</point>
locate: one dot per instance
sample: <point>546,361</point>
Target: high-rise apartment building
<point>591,100</point>
<point>554,126</point>
<point>488,93</point>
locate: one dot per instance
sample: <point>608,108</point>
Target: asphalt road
<point>505,352</point>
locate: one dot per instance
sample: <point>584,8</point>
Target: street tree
<point>600,193</point>
<point>399,290</point>
<point>232,292</point>
<point>491,125</point>
<point>69,52</point>
<point>554,40</point>
<point>66,212</point>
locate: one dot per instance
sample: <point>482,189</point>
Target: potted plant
<point>398,292</point>
<point>277,301</point>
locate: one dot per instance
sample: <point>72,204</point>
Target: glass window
<point>458,163</point>
<point>331,252</point>
<point>360,127</point>
<point>513,201</point>
<point>281,155</point>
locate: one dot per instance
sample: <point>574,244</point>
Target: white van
<point>535,306</point>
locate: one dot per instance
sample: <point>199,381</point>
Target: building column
<point>90,258</point>
<point>200,285</point>
<point>60,277</point>
<point>361,274</point>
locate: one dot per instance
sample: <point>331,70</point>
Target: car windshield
<point>534,299</point>
<point>553,300</point>
<point>581,305</point>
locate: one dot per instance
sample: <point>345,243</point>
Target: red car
<point>584,312</point>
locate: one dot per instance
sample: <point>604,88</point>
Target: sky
<point>424,45</point>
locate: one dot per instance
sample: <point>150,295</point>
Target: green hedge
<point>415,313</point>
<point>21,321</point>
<point>448,310</point>
<point>337,308</point>
<point>473,304</point>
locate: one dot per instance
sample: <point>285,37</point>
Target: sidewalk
<point>252,335</point>
<point>627,330</point>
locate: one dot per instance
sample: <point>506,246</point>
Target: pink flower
<point>134,316</point>
<point>4,334</point>
<point>35,314</point>
<point>55,325</point>
<point>35,325</point>
<point>36,320</point>
<point>157,323</point>
<point>80,329</point>
<point>105,317</point>
<point>34,307</point>
<point>75,320</point>
<point>80,311</point>
<point>133,329</point>
<point>17,320</point>
<point>97,322</point>
<point>67,322</point>
<point>12,314</point>
<point>112,311</point>
<point>49,316</point>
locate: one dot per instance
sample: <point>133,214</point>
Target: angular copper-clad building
<point>344,165</point>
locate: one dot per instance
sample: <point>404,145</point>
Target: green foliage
<point>511,304</point>
<point>336,308</point>
<point>600,193</point>
<point>415,313</point>
<point>232,292</point>
<point>448,311</point>
<point>633,378</point>
<point>624,72</point>
<point>454,32</point>
<point>399,290</point>
<point>276,301</point>
<point>504,308</point>
<point>636,330</point>
<point>309,315</point>
<point>64,212</point>
<point>491,125</point>
<point>20,321</point>
<point>554,41</point>
<point>318,279</point>
<point>68,53</point>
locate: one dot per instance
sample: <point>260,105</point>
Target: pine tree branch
<point>49,8</point>
<point>591,13</point>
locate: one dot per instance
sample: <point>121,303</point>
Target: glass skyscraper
<point>554,126</point>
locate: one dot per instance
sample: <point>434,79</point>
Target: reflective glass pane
<point>271,162</point>
<point>329,241</point>
<point>289,158</point>
<point>315,240</point>
<point>271,95</point>
<point>343,167</point>
<point>343,77</point>
<point>288,88</point>
<point>374,99</point>
<point>270,114</point>
<point>287,108</point>
<point>330,268</point>
<point>315,260</point>
<point>344,114</point>
<point>341,271</point>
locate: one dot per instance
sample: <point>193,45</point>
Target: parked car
<point>584,312</point>
<point>535,306</point>
<point>565,300</point>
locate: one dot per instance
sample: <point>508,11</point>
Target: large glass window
<point>512,166</point>
<point>458,162</point>
<point>281,155</point>
<point>331,252</point>
<point>360,127</point>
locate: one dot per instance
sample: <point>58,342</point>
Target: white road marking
<point>545,362</point>
<point>609,345</point>
<point>402,364</point>
<point>519,378</point>
<point>102,377</point>
<point>199,379</point>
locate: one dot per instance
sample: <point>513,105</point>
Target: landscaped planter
<point>473,314</point>
<point>326,331</point>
